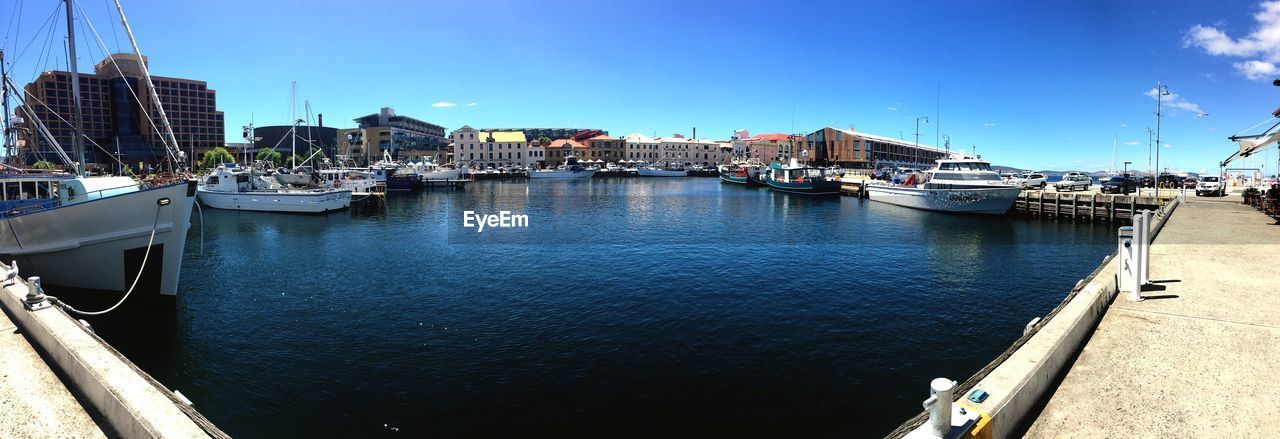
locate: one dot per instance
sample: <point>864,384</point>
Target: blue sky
<point>1040,85</point>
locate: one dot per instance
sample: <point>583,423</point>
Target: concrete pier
<point>1198,357</point>
<point>46,357</point>
<point>33,401</point>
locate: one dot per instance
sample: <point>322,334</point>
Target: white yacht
<point>359,182</point>
<point>953,185</point>
<point>233,188</point>
<point>570,169</point>
<point>656,171</point>
<point>428,170</point>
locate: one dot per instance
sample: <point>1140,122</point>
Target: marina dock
<point>1194,358</point>
<point>1197,357</point>
<point>59,379</point>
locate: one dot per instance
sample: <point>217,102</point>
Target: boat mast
<point>4,102</point>
<point>293,132</point>
<point>78,141</point>
<point>168,139</point>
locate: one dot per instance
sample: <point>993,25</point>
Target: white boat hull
<point>285,201</point>
<point>648,172</point>
<point>562,174</point>
<point>294,179</point>
<point>99,244</point>
<point>988,201</point>
<point>445,174</point>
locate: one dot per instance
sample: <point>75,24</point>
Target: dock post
<point>939,406</point>
<point>1144,247</point>
<point>1127,272</point>
<point>1040,210</point>
<point>1111,209</point>
<point>1057,205</point>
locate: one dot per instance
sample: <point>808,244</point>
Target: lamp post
<point>917,149</point>
<point>1126,178</point>
<point>1161,91</point>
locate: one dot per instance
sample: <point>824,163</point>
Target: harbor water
<point>634,308</point>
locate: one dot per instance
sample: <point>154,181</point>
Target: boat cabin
<point>223,179</point>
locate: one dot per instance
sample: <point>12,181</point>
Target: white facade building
<point>642,148</point>
<point>481,149</point>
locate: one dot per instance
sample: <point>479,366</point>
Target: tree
<point>544,140</point>
<point>268,155</point>
<point>45,165</point>
<point>215,157</point>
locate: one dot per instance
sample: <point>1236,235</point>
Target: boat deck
<point>1197,358</point>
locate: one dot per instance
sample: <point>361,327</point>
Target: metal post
<point>1144,268</point>
<point>939,406</point>
<point>78,129</point>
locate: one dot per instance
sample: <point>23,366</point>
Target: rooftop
<point>503,136</point>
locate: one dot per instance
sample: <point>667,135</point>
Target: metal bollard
<point>1126,272</point>
<point>939,406</point>
<point>1144,249</point>
<point>35,299</point>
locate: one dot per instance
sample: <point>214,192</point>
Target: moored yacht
<point>953,185</point>
<point>570,169</point>
<point>234,189</point>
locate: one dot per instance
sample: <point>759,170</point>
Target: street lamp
<point>1126,178</point>
<point>917,149</point>
<point>1161,91</point>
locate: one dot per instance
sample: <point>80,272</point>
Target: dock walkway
<point>1198,357</point>
<point>34,403</point>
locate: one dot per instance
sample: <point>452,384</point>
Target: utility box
<point>1126,255</point>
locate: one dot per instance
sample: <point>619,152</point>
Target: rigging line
<point>170,143</point>
<point>115,34</point>
<point>44,49</point>
<point>13,16</point>
<point>1268,120</point>
<point>64,120</point>
<point>35,36</point>
<point>44,130</point>
<point>98,37</point>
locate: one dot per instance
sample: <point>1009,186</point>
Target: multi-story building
<point>550,133</point>
<point>770,148</point>
<point>392,133</point>
<point>608,149</point>
<point>480,149</point>
<point>641,148</point>
<point>672,150</point>
<point>706,152</point>
<point>114,120</point>
<point>560,148</point>
<point>855,150</point>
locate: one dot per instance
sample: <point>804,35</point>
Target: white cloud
<point>1261,48</point>
<point>1124,125</point>
<point>989,124</point>
<point>1173,100</point>
<point>1133,142</point>
<point>891,108</point>
<point>443,104</point>
<point>471,104</point>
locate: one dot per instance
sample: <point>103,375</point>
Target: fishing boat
<point>428,170</point>
<point>797,178</point>
<point>570,169</point>
<point>96,233</point>
<point>953,185</point>
<point>233,188</point>
<point>745,173</point>
<point>359,182</point>
<point>299,176</point>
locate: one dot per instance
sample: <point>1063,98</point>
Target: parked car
<point>1170,181</point>
<point>1210,185</point>
<point>1148,181</point>
<point>1073,181</point>
<point>1031,180</point>
<point>1190,183</point>
<point>1119,185</point>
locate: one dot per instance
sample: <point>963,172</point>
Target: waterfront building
<point>608,149</point>
<point>387,131</point>
<point>278,137</point>
<point>707,152</point>
<point>857,150</point>
<point>559,148</point>
<point>672,150</point>
<point>552,133</point>
<point>769,148</point>
<point>114,122</point>
<point>481,149</point>
<point>640,147</point>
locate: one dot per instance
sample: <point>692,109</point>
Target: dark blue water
<point>656,307</point>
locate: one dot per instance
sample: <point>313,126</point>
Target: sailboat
<point>99,233</point>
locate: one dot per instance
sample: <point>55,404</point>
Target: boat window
<point>242,178</point>
<point>213,179</point>
<point>984,166</point>
<point>28,190</point>
<point>11,190</point>
<point>948,166</point>
<point>42,189</point>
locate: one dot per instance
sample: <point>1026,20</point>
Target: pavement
<point>1199,356</point>
<point>33,401</point>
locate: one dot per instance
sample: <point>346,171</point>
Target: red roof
<point>777,137</point>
